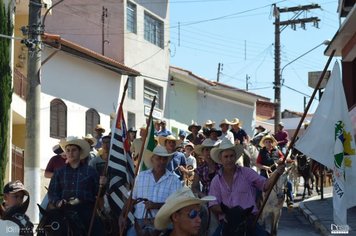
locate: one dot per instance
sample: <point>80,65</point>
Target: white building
<point>190,97</point>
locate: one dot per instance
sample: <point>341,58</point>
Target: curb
<point>314,220</point>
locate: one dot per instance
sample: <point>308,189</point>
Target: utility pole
<point>277,47</point>
<point>103,16</point>
<point>32,176</point>
<point>220,68</point>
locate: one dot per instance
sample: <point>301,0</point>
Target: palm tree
<point>5,88</point>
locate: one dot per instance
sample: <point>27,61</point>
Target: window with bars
<point>151,90</point>
<point>131,17</point>
<point>92,118</point>
<point>153,30</point>
<point>131,87</point>
<point>58,119</point>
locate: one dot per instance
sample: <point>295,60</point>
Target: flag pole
<point>268,192</point>
<point>130,200</point>
<point>105,172</point>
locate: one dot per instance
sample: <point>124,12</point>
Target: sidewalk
<point>320,213</point>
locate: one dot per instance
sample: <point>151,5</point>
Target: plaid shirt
<point>205,177</point>
<point>158,192</point>
<point>81,183</point>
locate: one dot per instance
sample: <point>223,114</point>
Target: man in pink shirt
<point>235,185</point>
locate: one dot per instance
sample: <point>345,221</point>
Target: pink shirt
<point>243,191</point>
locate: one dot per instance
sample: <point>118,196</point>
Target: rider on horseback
<point>76,184</point>
<point>14,207</point>
<point>267,159</point>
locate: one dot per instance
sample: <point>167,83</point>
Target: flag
<point>149,143</point>
<point>120,166</point>
<point>329,140</point>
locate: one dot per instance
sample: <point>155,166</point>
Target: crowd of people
<point>187,179</point>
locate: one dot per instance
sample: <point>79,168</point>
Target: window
<point>153,30</point>
<point>131,87</point>
<point>58,119</point>
<point>151,90</point>
<point>131,17</point>
<point>92,118</point>
<point>131,120</point>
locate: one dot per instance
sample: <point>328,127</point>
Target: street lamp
<point>278,104</point>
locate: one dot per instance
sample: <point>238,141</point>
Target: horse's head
<point>59,221</point>
<point>235,220</point>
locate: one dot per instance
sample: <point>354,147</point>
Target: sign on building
<point>313,78</point>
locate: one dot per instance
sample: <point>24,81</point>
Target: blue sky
<point>240,35</point>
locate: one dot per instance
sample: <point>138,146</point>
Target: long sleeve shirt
<point>67,182</point>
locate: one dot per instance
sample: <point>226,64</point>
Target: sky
<point>240,35</point>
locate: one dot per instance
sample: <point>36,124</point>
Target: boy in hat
<point>14,206</point>
<point>76,182</point>
<point>182,209</point>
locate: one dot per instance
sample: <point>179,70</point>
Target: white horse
<point>273,208</point>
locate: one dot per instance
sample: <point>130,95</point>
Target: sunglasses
<point>194,213</point>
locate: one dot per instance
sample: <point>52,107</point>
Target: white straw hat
<point>206,143</point>
<point>181,198</point>
<point>226,145</point>
<point>159,151</point>
<point>74,140</point>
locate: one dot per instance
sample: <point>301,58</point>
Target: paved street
<point>293,223</point>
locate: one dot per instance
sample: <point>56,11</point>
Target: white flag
<point>329,140</point>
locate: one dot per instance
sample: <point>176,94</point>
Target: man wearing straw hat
<point>195,137</point>
<point>182,210</point>
<point>178,163</point>
<point>239,133</point>
<point>226,133</point>
<point>137,144</point>
<point>77,183</point>
<point>235,185</point>
<point>152,187</point>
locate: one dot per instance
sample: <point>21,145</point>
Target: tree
<point>5,88</point>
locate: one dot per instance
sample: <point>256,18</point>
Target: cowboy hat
<point>99,127</point>
<point>260,127</point>
<point>159,151</point>
<point>194,124</point>
<point>236,121</point>
<point>57,149</point>
<point>209,122</point>
<point>281,124</point>
<point>212,130</point>
<point>181,198</point>
<point>225,122</point>
<point>89,138</point>
<point>206,143</point>
<point>226,145</point>
<point>270,137</point>
<point>73,140</point>
<point>162,140</point>
<point>132,130</point>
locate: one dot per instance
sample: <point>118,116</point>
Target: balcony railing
<point>20,84</point>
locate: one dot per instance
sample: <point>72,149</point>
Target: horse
<point>273,209</point>
<point>61,222</point>
<point>253,154</point>
<point>304,165</point>
<point>236,220</point>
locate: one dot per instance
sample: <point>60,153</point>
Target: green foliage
<point>5,88</point>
